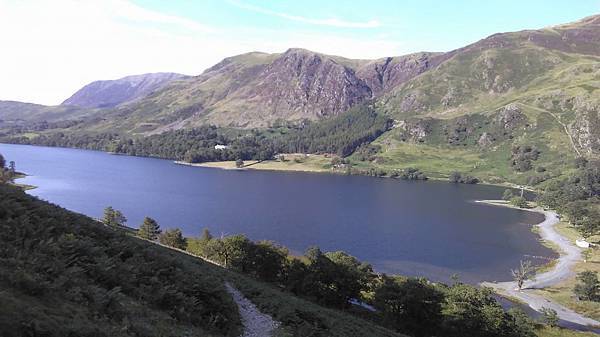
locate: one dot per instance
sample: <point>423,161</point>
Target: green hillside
<point>476,110</point>
<point>64,274</point>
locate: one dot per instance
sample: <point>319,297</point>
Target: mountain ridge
<point>110,93</point>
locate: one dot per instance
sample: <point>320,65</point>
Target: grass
<point>560,332</point>
<point>49,227</point>
<point>563,292</point>
<point>292,162</point>
<point>299,317</point>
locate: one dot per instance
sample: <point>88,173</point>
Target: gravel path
<point>569,255</point>
<point>256,324</point>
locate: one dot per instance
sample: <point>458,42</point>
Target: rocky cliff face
<point>260,89</point>
<point>301,83</point>
<point>106,94</point>
<point>385,74</point>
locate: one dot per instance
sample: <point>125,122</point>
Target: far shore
<point>312,163</point>
<point>292,163</point>
<point>561,270</point>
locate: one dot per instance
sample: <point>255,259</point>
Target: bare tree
<point>523,273</point>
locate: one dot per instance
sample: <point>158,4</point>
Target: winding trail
<point>565,127</point>
<point>256,324</point>
<point>569,255</point>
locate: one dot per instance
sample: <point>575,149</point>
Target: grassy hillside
<point>474,109</point>
<point>64,274</point>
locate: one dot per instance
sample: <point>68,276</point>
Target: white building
<point>221,147</point>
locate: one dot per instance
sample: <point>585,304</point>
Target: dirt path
<point>256,324</point>
<point>559,122</point>
<point>569,255</point>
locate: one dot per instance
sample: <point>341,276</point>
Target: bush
<point>549,316</point>
<point>588,286</point>
<point>522,156</point>
<point>412,173</point>
<point>519,201</point>
<point>457,177</point>
<point>507,195</point>
<point>173,238</point>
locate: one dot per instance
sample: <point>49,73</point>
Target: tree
<point>523,273</point>
<point>113,218</point>
<point>354,276</point>
<point>2,162</point>
<point>149,229</point>
<point>588,286</point>
<point>12,167</point>
<point>473,312</point>
<point>173,238</point>
<point>549,316</point>
<point>206,236</point>
<point>239,163</point>
<point>409,305</point>
<point>519,201</point>
<point>507,195</point>
<point>267,261</point>
<point>455,177</point>
<point>522,324</point>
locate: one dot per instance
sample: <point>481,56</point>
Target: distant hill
<point>108,94</point>
<point>533,87</point>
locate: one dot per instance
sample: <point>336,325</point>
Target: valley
<point>279,154</point>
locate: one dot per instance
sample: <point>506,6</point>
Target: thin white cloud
<point>132,12</point>
<point>332,22</point>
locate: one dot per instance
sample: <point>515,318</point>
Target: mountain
<point>107,94</point>
<point>17,113</point>
<point>258,89</point>
<point>479,103</point>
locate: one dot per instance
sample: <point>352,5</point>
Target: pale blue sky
<point>416,25</point>
<point>53,47</point>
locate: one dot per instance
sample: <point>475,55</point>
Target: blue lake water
<point>431,229</point>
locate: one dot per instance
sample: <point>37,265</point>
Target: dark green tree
<point>173,238</point>
<point>520,323</point>
<point>518,201</point>
<point>588,286</point>
<point>469,311</point>
<point>149,229</point>
<point>549,316</point>
<point>409,305</point>
<point>113,218</point>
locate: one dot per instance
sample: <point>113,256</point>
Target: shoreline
<point>230,165</point>
<point>569,255</point>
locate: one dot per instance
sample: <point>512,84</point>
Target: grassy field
<point>563,292</point>
<point>292,162</point>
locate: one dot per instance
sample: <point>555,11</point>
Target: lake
<point>431,229</point>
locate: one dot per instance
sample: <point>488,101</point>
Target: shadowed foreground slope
<point>64,274</point>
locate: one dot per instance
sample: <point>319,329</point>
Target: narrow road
<point>569,255</point>
<point>256,324</point>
